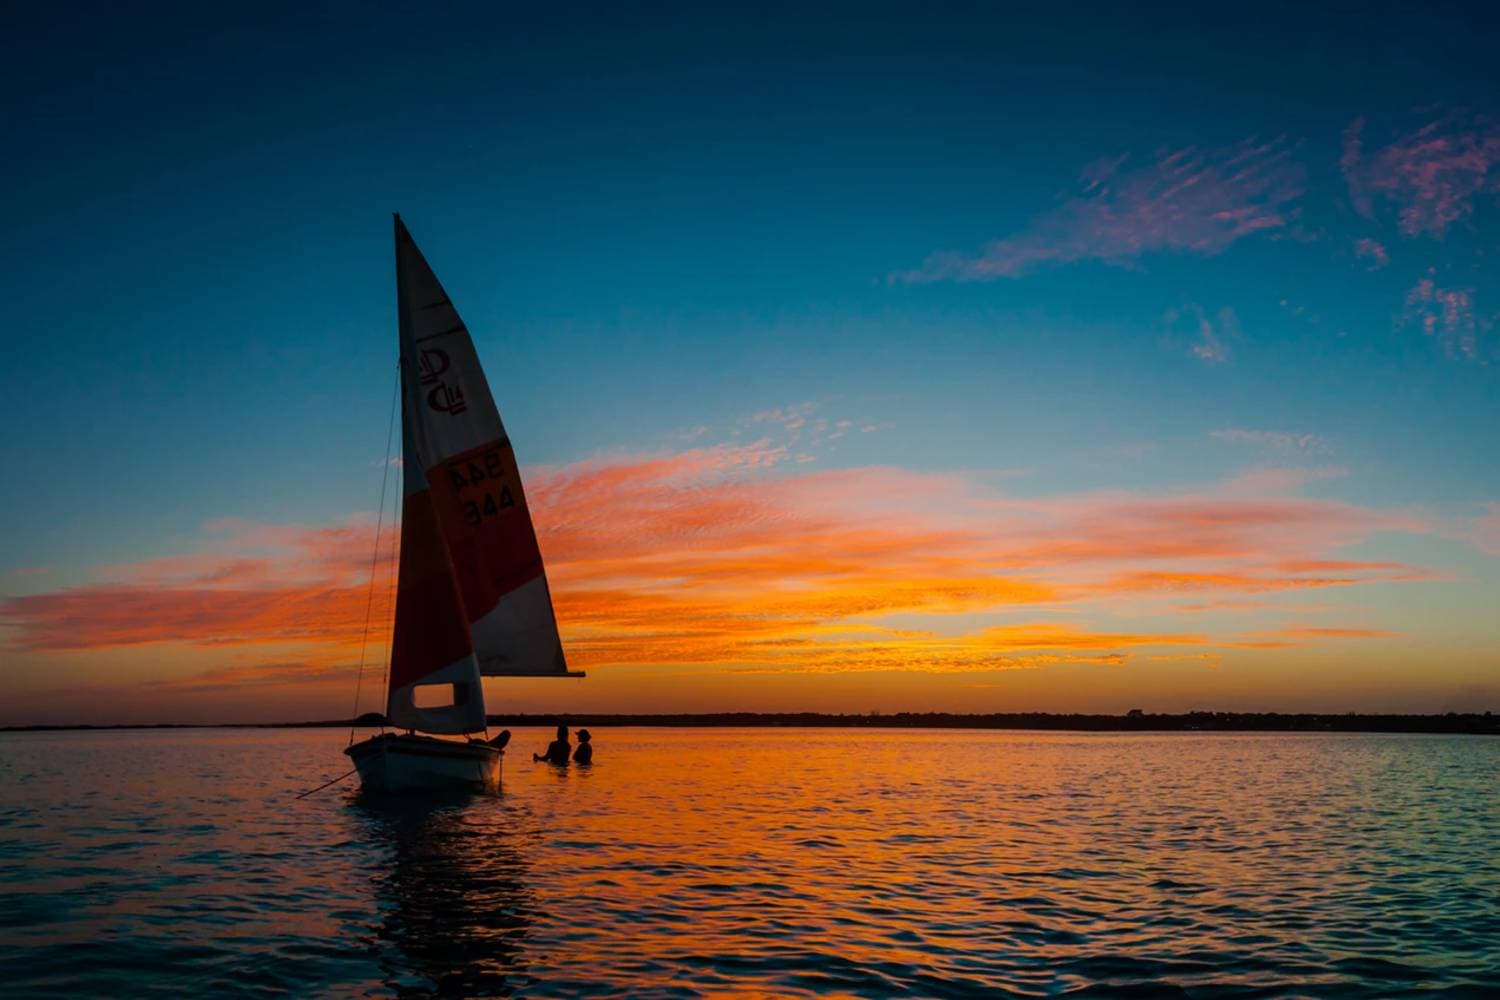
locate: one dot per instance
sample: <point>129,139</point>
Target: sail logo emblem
<point>444,398</point>
<point>447,399</point>
<point>433,363</point>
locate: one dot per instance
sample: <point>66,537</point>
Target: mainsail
<point>456,442</point>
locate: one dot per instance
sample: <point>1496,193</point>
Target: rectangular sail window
<point>433,696</point>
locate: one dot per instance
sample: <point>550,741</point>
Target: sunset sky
<point>1065,358</point>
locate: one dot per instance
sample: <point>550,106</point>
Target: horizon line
<point>1135,720</point>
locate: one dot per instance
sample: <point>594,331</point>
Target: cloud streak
<point>1432,175</point>
<point>1444,314</point>
<point>1277,441</point>
<point>1484,531</point>
<point>1211,336</point>
<point>1188,200</point>
<point>736,557</point>
<point>248,584</point>
<point>1373,251</point>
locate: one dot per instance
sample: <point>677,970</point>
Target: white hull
<point>396,763</point>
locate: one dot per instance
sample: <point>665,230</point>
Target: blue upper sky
<point>660,219</point>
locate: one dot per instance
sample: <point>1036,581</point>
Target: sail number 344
<point>486,474</point>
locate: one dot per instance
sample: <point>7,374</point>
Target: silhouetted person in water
<point>558,750</point>
<point>585,752</point>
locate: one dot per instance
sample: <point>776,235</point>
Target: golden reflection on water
<point>867,862</point>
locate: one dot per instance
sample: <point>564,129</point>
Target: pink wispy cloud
<point>1484,530</point>
<point>1432,175</point>
<point>789,418</point>
<point>1373,251</point>
<point>803,428</point>
<point>1278,441</point>
<point>1212,336</point>
<point>1275,480</point>
<point>1188,200</point>
<point>1446,315</point>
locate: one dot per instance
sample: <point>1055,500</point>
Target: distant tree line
<point>1136,720</point>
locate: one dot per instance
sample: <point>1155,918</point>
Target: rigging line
<point>385,475</point>
<point>325,784</point>
<point>396,511</point>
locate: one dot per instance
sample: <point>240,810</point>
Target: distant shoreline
<point>1486,723</point>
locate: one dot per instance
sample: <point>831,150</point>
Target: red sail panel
<point>431,630</point>
<point>482,508</point>
<point>432,644</point>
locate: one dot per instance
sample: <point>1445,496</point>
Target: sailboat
<point>471,593</point>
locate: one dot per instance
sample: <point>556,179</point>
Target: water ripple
<point>784,862</point>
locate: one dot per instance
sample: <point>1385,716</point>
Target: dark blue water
<point>779,862</point>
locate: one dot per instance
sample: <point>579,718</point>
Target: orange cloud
<point>1072,637</point>
<point>317,668</point>
<point>735,557</point>
<point>249,584</point>
<point>1155,581</point>
<point>928,663</point>
<point>1315,632</point>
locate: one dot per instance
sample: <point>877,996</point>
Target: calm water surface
<point>687,862</point>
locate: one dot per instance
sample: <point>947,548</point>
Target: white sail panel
<point>447,391</point>
<point>509,641</point>
<point>464,713</point>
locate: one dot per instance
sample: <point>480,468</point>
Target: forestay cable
<point>385,475</point>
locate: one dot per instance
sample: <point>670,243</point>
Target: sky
<point>876,358</point>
